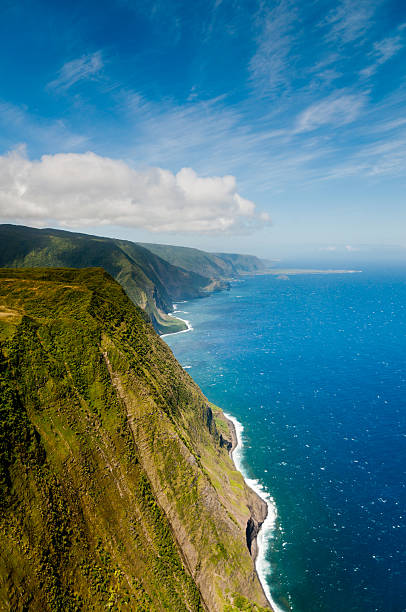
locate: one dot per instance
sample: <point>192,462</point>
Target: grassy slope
<point>150,282</point>
<point>115,491</point>
<point>180,284</point>
<point>213,265</point>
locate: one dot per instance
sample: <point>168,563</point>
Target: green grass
<point>212,265</point>
<point>149,281</point>
<point>109,457</point>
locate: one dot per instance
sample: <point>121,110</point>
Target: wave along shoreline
<point>264,537</point>
<point>262,565</point>
<point>182,331</point>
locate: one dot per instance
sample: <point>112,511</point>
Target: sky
<point>223,124</point>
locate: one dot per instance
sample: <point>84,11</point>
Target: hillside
<point>117,490</point>
<point>212,265</point>
<point>151,282</point>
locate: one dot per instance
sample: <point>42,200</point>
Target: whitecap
<point>265,535</point>
<point>182,331</point>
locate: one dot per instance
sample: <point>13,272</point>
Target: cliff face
<point>151,282</point>
<point>117,490</point>
<point>212,265</point>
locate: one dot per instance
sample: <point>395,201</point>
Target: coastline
<point>259,510</point>
<point>297,271</point>
<point>182,331</point>
<point>261,506</point>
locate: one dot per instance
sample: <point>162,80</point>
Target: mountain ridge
<point>118,488</point>
<point>224,266</point>
<point>151,282</point>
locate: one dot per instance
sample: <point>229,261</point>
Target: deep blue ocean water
<point>315,370</point>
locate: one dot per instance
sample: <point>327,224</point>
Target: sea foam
<point>265,535</point>
<point>182,331</point>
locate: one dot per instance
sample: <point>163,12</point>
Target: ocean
<point>314,370</point>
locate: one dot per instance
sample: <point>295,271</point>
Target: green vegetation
<point>151,282</point>
<point>243,604</point>
<point>115,493</point>
<point>212,265</point>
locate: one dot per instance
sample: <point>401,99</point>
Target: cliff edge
<point>117,489</point>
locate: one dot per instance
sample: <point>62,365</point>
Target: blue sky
<point>222,124</point>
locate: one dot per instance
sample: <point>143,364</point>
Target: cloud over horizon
<point>303,103</point>
<point>76,190</point>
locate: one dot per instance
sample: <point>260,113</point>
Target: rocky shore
<point>257,506</point>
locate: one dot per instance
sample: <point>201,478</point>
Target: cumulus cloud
<point>86,189</point>
<point>84,67</point>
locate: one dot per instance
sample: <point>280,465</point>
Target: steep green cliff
<point>213,265</point>
<point>151,282</point>
<point>117,491</point>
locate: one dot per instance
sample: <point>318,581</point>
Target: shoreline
<point>266,526</point>
<point>182,331</point>
<point>260,504</point>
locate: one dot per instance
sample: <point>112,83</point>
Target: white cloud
<point>269,66</point>
<point>86,189</point>
<point>337,109</point>
<point>350,20</point>
<point>84,67</point>
<point>44,132</point>
<point>382,158</point>
<point>387,126</point>
<point>387,48</point>
<point>383,51</point>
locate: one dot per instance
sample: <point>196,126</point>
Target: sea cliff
<point>257,506</point>
<point>150,282</point>
<point>117,488</point>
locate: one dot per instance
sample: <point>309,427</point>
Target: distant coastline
<point>280,273</point>
<point>295,271</point>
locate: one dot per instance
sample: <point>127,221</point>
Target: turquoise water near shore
<point>314,368</point>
